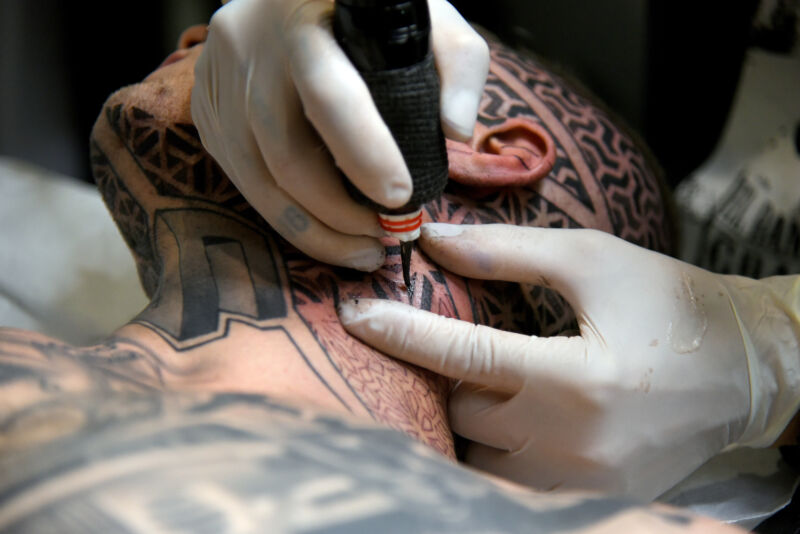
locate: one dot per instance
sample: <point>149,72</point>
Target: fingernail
<point>352,310</point>
<point>367,260</point>
<point>440,230</point>
<point>348,311</point>
<point>459,111</point>
<point>398,194</point>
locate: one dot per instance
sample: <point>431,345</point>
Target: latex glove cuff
<point>768,314</point>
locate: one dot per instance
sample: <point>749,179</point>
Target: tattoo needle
<point>388,41</point>
<point>406,247</point>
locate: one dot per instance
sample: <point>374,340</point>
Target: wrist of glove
<point>768,316</point>
<point>673,363</point>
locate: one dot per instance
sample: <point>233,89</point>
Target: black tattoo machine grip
<point>388,41</point>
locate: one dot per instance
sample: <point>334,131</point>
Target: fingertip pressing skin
<point>349,310</point>
<point>554,257</point>
<point>368,260</point>
<point>446,346</point>
<point>455,248</point>
<point>365,318</point>
<point>432,231</point>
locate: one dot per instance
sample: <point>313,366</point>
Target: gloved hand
<point>274,93</point>
<point>673,363</point>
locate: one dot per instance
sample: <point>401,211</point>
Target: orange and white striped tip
<point>404,227</point>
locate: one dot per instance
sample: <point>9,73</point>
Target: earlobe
<point>514,153</point>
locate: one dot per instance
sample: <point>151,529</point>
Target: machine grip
<point>388,41</point>
<point>408,101</point>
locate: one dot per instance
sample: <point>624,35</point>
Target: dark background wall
<point>59,61</point>
<point>669,68</point>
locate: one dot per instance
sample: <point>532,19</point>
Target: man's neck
<point>213,265</point>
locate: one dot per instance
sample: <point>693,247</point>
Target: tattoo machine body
<point>388,41</point>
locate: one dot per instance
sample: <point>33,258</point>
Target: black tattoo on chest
<point>222,463</point>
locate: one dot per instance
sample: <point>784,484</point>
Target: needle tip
<point>405,257</point>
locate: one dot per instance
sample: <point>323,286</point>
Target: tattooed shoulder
<point>235,463</point>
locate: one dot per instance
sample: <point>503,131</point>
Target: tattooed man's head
<point>542,154</point>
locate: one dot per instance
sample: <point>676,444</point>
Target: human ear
<point>515,152</point>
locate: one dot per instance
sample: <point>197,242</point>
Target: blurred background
<point>59,61</point>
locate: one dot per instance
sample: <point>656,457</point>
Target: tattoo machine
<point>388,41</point>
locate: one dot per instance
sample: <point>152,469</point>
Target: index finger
<point>458,349</point>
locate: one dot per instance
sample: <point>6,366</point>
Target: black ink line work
<point>217,257</point>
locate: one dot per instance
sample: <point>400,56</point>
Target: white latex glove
<point>673,363</point>
<point>276,101</point>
